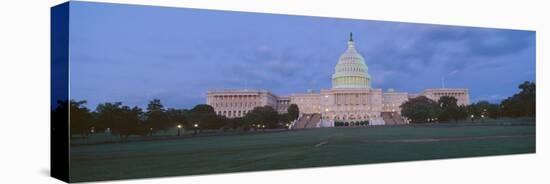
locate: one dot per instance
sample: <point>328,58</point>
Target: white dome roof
<point>351,70</point>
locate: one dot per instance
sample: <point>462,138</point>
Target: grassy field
<point>296,149</point>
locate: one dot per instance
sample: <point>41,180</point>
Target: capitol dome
<point>351,70</point>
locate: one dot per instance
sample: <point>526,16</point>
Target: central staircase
<point>308,121</point>
<point>392,118</point>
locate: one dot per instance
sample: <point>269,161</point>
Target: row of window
<point>449,94</point>
<point>233,114</point>
<point>354,117</point>
<point>390,105</point>
<point>351,80</point>
<point>350,109</point>
<point>239,97</point>
<point>351,69</point>
<point>283,102</point>
<point>236,104</point>
<point>347,104</point>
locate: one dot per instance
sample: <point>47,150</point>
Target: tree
<point>156,117</point>
<point>449,108</point>
<point>522,104</point>
<point>205,117</point>
<point>494,111</point>
<point>293,111</point>
<point>446,102</point>
<point>233,123</point>
<point>121,120</point>
<point>420,109</point>
<point>80,118</point>
<point>106,114</point>
<point>462,112</point>
<point>284,119</point>
<point>128,122</point>
<point>265,117</point>
<point>486,109</point>
<point>177,117</point>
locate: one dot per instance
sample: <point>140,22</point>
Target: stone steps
<point>308,121</point>
<point>392,118</point>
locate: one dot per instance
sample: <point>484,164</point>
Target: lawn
<point>297,149</point>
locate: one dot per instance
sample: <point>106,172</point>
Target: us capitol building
<point>351,98</point>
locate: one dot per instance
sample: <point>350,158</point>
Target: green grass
<point>295,149</point>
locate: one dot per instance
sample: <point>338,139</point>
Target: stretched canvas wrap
<point>146,91</point>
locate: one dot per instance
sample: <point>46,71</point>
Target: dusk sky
<point>133,54</point>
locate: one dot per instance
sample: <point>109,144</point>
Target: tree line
<point>122,120</point>
<point>424,110</point>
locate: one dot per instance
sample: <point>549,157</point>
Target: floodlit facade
<point>351,98</point>
<point>236,103</point>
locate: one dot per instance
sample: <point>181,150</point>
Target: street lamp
<point>179,130</point>
<point>196,125</point>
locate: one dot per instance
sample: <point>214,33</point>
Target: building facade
<point>236,103</point>
<point>351,98</point>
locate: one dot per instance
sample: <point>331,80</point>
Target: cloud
<point>269,68</point>
<point>178,55</point>
<point>445,49</point>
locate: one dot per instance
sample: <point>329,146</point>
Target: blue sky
<point>136,53</point>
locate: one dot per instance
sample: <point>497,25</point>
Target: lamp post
<point>179,130</point>
<point>195,126</point>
